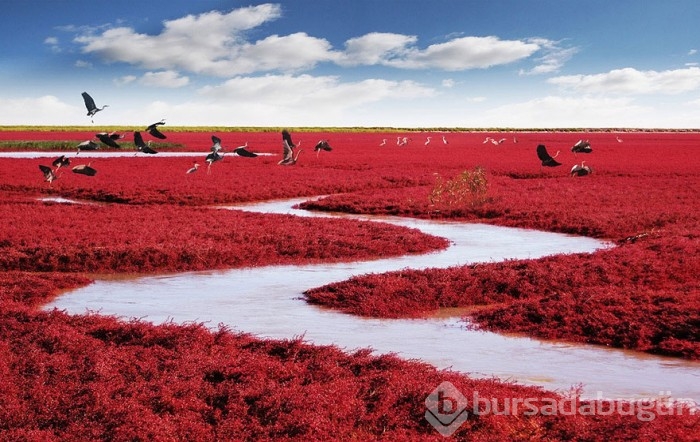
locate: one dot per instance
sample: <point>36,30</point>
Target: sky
<point>359,63</point>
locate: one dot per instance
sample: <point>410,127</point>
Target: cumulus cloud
<point>215,43</point>
<point>457,54</point>
<point>375,48</point>
<point>633,81</point>
<point>168,79</point>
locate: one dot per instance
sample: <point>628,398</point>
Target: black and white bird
<point>216,153</point>
<point>546,159</point>
<point>141,146</point>
<point>49,175</point>
<point>84,169</point>
<point>582,146</point>
<point>87,145</point>
<point>242,151</point>
<point>153,130</point>
<point>108,139</point>
<point>288,157</point>
<point>60,162</point>
<point>581,169</point>
<point>91,106</point>
<point>322,145</point>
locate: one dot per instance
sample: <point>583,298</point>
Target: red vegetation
<point>94,377</point>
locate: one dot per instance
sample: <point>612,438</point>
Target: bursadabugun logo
<point>446,408</point>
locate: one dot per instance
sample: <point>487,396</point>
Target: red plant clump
<point>94,377</point>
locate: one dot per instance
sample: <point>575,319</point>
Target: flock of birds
<point>290,151</point>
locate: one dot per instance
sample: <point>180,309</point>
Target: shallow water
<point>266,301</point>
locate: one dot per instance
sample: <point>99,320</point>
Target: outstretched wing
<point>217,143</point>
<point>60,161</point>
<point>323,145</point>
<point>84,169</point>
<point>156,133</point>
<point>287,152</point>
<point>106,139</point>
<point>242,151</point>
<point>288,138</point>
<point>138,140</point>
<point>46,170</point>
<point>89,102</point>
<point>542,153</point>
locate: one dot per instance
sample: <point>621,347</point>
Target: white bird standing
<point>427,141</point>
<point>383,142</point>
<point>444,140</point>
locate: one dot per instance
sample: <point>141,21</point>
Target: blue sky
<point>410,63</point>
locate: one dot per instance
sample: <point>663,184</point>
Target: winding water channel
<point>265,301</point>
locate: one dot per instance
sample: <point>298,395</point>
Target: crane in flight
<point>91,106</point>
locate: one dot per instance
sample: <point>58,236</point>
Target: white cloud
<point>692,52</point>
<point>206,43</point>
<point>214,43</point>
<point>633,81</point>
<point>375,48</point>
<point>47,109</point>
<point>553,59</point>
<point>568,112</point>
<point>465,53</point>
<point>292,100</point>
<point>126,79</point>
<point>448,83</point>
<point>167,79</point>
<point>52,42</point>
<point>83,64</point>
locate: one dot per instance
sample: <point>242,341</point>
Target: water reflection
<point>266,301</point>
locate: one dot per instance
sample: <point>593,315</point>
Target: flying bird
<point>91,106</point>
<point>153,130</point>
<point>107,139</point>
<point>322,145</point>
<point>582,146</point>
<point>213,158</point>
<point>60,162</point>
<point>194,168</point>
<point>84,169</point>
<point>141,146</point>
<point>286,137</point>
<point>288,157</point>
<point>546,158</point>
<point>581,170</point>
<point>242,151</point>
<point>49,175</point>
<point>87,145</point>
<point>216,154</point>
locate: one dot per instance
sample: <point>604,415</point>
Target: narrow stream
<point>265,301</point>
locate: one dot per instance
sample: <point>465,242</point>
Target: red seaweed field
<point>93,377</point>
